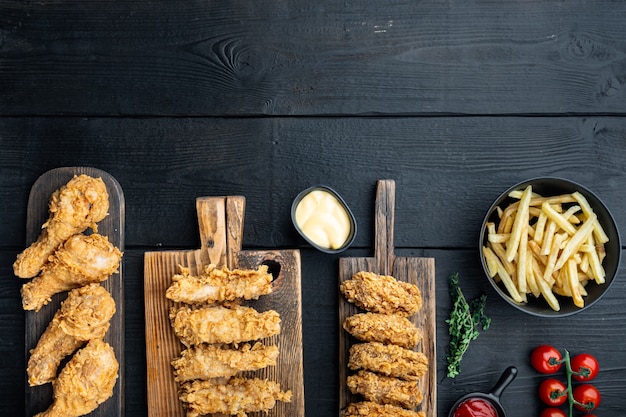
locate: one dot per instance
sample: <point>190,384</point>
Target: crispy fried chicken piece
<point>237,397</point>
<point>219,284</point>
<point>85,382</point>
<point>219,324</point>
<point>79,261</point>
<point>213,361</point>
<point>382,294</point>
<point>74,207</point>
<point>371,409</point>
<point>389,360</point>
<point>385,328</point>
<point>385,389</point>
<point>84,315</point>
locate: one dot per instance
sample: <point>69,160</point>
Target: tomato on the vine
<point>553,412</point>
<point>552,392</point>
<point>587,397</point>
<point>585,366</point>
<point>546,359</point>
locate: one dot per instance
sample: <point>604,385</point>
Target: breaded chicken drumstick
<point>84,315</point>
<point>74,207</point>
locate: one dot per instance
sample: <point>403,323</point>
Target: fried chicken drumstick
<point>74,207</point>
<point>85,382</point>
<point>84,315</point>
<point>79,261</point>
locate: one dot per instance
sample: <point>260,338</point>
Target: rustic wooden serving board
<point>39,398</point>
<point>221,229</point>
<point>418,271</point>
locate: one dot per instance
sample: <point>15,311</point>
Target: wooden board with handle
<point>418,271</point>
<point>220,222</point>
<point>112,226</point>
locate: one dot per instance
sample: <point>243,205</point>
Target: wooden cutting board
<point>221,229</point>
<point>418,271</point>
<point>39,398</point>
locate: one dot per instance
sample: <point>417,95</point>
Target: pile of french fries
<point>545,246</point>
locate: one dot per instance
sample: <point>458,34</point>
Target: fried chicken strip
<point>84,315</point>
<point>213,361</point>
<point>382,294</point>
<point>74,207</point>
<point>389,360</point>
<point>85,382</point>
<point>371,409</point>
<point>219,284</point>
<point>385,390</point>
<point>237,397</point>
<point>219,324</point>
<point>385,328</point>
<point>79,261</point>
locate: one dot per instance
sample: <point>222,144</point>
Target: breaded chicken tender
<point>84,315</point>
<point>389,360</point>
<point>218,324</point>
<point>219,285</point>
<point>237,397</point>
<point>74,207</point>
<point>385,328</point>
<point>385,389</point>
<point>382,294</point>
<point>371,409</point>
<point>85,382</point>
<point>79,261</point>
<point>214,361</point>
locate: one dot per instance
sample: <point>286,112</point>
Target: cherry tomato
<point>552,391</point>
<point>553,412</point>
<point>546,359</point>
<point>587,397</point>
<point>586,365</point>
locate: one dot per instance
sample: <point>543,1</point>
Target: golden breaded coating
<point>385,328</point>
<point>382,294</point>
<point>81,260</point>
<point>389,360</point>
<point>214,361</point>
<point>219,284</point>
<point>74,207</point>
<point>219,324</point>
<point>237,397</point>
<point>385,389</point>
<point>371,409</point>
<point>84,315</point>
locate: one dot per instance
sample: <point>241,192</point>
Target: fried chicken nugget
<point>237,397</point>
<point>389,360</point>
<point>219,284</point>
<point>213,361</point>
<point>382,294</point>
<point>74,207</point>
<point>371,409</point>
<point>385,390</point>
<point>385,328</point>
<point>218,324</point>
<point>84,315</point>
<point>79,261</point>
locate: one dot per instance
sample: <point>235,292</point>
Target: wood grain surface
<point>112,226</point>
<point>220,221</point>
<point>415,270</point>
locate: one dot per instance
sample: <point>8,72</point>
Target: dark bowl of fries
<point>560,237</point>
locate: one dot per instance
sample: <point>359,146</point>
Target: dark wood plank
<point>323,58</point>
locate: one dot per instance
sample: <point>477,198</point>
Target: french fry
<point>598,231</point>
<point>492,261</point>
<point>521,219</point>
<point>572,281</point>
<point>576,240</point>
<point>560,220</point>
<point>547,293</point>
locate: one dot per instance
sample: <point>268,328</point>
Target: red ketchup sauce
<point>475,407</point>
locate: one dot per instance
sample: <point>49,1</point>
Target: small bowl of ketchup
<point>479,404</point>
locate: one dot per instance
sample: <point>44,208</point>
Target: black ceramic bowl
<point>342,203</point>
<point>551,187</point>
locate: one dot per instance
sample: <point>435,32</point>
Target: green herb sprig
<point>463,324</point>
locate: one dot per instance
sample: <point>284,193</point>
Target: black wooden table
<point>454,100</point>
